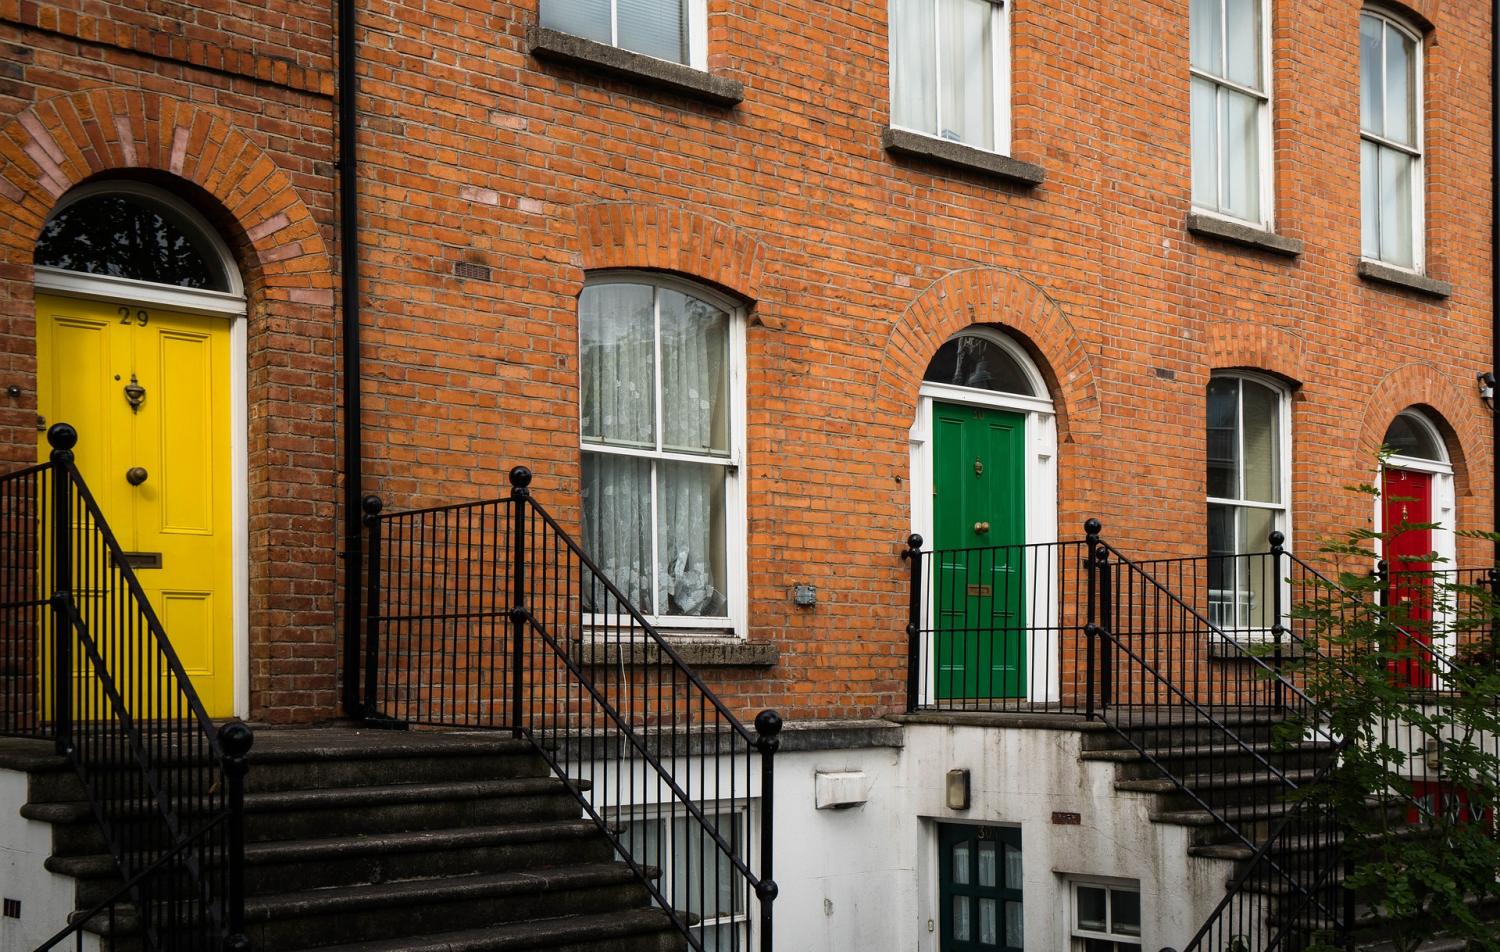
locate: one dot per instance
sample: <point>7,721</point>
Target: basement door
<point>979,533</point>
<point>148,391</point>
<point>1407,500</point>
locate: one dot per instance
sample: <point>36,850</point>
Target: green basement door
<point>979,529</point>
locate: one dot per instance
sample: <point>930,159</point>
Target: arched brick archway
<point>661,237</point>
<point>1455,409</point>
<point>1251,345</point>
<point>1004,299</point>
<point>291,338</point>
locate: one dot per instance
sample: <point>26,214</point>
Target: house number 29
<point>138,316</point>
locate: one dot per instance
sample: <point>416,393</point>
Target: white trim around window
<point>1391,139</point>
<point>1115,925</point>
<point>1219,86</point>
<point>938,90</point>
<point>599,20</point>
<point>729,460</point>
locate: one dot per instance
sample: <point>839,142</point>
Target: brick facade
<point>854,265</point>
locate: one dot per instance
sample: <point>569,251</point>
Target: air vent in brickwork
<point>468,269</point>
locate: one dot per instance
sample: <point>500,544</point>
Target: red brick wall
<point>855,265</point>
<point>228,105</point>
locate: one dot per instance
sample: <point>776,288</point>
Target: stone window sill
<point>696,652</point>
<point>648,70</point>
<point>1406,280</point>
<point>1245,235</point>
<point>956,154</point>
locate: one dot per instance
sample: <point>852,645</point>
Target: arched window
<point>980,362</point>
<point>1412,436</point>
<point>1249,477</point>
<point>661,411</point>
<point>131,231</point>
<point>1390,128</point>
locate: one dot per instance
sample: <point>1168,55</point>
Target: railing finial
<point>768,726</point>
<point>1091,528</point>
<point>520,481</point>
<point>371,506</point>
<point>62,438</point>
<point>1277,539</point>
<point>913,546</point>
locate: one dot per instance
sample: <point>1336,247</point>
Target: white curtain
<point>968,71</point>
<point>687,575</point>
<point>914,65</point>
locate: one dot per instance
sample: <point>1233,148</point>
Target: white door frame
<point>1040,476</point>
<point>231,306</point>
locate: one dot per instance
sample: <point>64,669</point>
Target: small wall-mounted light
<point>958,789</point>
<point>1487,388</point>
<point>804,595</point>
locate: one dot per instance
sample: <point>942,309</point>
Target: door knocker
<point>135,394</point>
<point>978,467</point>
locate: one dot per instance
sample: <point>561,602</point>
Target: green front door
<point>979,530</point>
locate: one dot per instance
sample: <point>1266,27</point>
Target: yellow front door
<point>148,391</point>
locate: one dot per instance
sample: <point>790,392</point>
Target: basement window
<point>1106,917</point>
<point>696,876</point>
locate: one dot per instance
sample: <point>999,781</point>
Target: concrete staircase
<point>382,841</point>
<point>1235,784</point>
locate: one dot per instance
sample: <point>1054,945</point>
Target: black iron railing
<point>87,665</point>
<point>489,615</point>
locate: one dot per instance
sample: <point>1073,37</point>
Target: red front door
<point>1407,501</point>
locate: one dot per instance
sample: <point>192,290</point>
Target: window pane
<point>617,523</point>
<point>724,938</point>
<point>967,84</point>
<point>126,237</point>
<point>1254,600</point>
<point>1015,926</point>
<point>1241,118</point>
<point>1206,27</point>
<point>1261,442</point>
<point>1205,145</point>
<point>1400,62</point>
<point>1371,95</point>
<point>1369,199</point>
<point>961,918</point>
<point>1395,208</point>
<point>1409,438</point>
<point>979,363</point>
<point>617,339</point>
<point>1012,867</point>
<point>654,27</point>
<point>703,879</point>
<point>586,18</point>
<point>961,864</point>
<point>1223,440</point>
<point>694,375</point>
<point>987,863</point>
<point>1127,911</point>
<point>914,65</point>
<point>988,927</point>
<point>1091,908</point>
<point>1222,567</point>
<point>1243,41</point>
<point>693,571</point>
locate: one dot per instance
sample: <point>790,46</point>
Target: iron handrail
<point>144,707</point>
<point>465,599</point>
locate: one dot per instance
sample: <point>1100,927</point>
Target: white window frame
<point>1267,218</point>
<point>697,27</point>
<point>734,485</point>
<point>1417,153</point>
<point>1076,933</point>
<point>1444,511</point>
<point>658,813</point>
<point>1000,77</point>
<point>1041,482</point>
<point>1283,522</point>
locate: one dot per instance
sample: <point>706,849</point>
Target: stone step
<point>319,917</point>
<point>635,930</point>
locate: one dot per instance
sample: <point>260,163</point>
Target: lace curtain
<point>631,499</point>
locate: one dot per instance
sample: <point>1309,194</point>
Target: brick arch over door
<point>291,335</point>
<point>1455,409</point>
<point>666,238</point>
<point>1000,298</point>
<point>1248,345</point>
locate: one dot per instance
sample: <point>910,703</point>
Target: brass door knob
<point>981,527</point>
<point>135,475</point>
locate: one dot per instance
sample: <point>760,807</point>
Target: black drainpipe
<point>1495,265</point>
<point>349,289</point>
